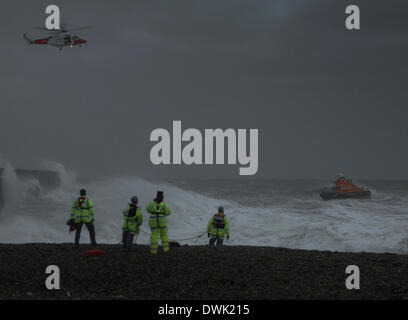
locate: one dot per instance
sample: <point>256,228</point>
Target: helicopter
<point>59,38</point>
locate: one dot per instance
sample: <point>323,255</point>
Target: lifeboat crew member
<point>133,219</point>
<point>218,228</point>
<point>83,212</point>
<point>158,210</point>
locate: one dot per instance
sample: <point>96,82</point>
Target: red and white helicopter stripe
<point>59,38</point>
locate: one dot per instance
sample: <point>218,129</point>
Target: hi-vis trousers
<point>154,239</point>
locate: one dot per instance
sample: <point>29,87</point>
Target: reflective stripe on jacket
<point>218,226</point>
<point>82,210</point>
<point>158,213</point>
<point>132,223</point>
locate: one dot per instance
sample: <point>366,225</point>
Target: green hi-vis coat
<point>133,220</point>
<point>158,213</point>
<point>158,225</point>
<point>82,210</point>
<point>218,226</point>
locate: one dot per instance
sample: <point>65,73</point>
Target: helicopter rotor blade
<point>62,29</point>
<point>47,30</point>
<point>33,35</point>
<point>81,28</point>
<point>41,28</point>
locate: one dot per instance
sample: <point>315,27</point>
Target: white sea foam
<point>379,224</point>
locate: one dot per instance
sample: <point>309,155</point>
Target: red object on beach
<point>94,252</point>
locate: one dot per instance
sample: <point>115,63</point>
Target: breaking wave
<point>33,212</point>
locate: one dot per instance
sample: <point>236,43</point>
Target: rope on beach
<point>200,236</point>
<point>192,238</point>
<point>196,237</point>
<point>144,232</point>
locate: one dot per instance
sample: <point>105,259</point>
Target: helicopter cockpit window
<point>67,40</point>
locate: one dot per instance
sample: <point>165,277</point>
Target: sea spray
<point>68,187</point>
<point>262,213</point>
<point>68,178</point>
<point>10,185</point>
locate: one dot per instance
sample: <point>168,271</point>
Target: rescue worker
<point>83,212</point>
<point>340,177</point>
<point>131,226</point>
<point>218,228</point>
<point>158,210</point>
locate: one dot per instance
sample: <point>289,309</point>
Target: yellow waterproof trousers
<point>154,239</point>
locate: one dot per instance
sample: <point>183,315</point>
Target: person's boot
<point>77,236</point>
<point>129,242</point>
<point>93,241</point>
<point>92,235</point>
<point>124,239</point>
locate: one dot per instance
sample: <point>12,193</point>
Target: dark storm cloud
<point>324,99</point>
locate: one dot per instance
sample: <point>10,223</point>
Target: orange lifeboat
<point>344,189</point>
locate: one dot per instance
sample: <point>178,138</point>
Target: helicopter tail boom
<point>27,39</point>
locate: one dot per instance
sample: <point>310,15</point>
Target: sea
<point>277,213</point>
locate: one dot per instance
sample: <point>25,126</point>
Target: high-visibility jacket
<point>218,226</point>
<point>133,219</point>
<point>158,213</point>
<point>82,210</point>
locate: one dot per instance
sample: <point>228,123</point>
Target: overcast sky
<point>324,99</point>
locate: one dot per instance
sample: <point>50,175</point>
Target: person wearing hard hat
<point>158,210</point>
<point>218,228</point>
<point>133,219</point>
<point>83,212</point>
